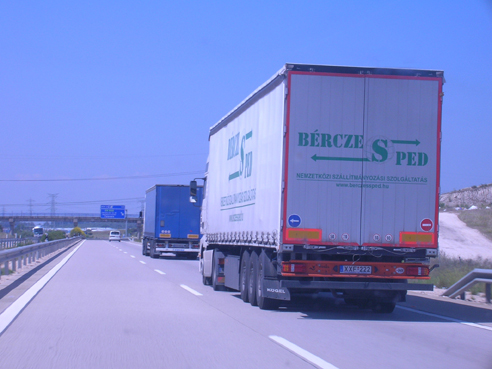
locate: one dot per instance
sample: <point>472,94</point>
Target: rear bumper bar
<point>175,249</point>
<point>281,289</point>
<point>330,285</point>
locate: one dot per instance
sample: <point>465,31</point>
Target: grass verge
<point>480,219</point>
<point>451,270</point>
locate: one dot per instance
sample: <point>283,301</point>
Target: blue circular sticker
<point>294,220</point>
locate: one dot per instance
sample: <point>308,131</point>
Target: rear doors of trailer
<point>362,160</point>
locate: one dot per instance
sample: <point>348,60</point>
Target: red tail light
<point>294,268</point>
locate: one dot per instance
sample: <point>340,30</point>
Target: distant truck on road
<point>325,178</point>
<point>171,222</point>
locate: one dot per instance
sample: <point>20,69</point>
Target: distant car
<point>114,236</point>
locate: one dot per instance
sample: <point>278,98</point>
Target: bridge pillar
<point>12,226</point>
<point>139,228</point>
<point>75,223</point>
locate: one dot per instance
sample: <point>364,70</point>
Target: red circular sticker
<point>426,225</point>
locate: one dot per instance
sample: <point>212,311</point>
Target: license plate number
<point>355,269</point>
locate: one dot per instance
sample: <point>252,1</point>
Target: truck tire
<point>153,253</point>
<point>206,281</point>
<point>243,276</point>
<point>253,275</point>
<point>144,248</point>
<point>264,303</point>
<point>384,307</point>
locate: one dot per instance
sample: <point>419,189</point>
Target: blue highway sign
<point>113,211</point>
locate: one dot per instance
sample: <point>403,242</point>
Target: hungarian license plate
<point>355,269</point>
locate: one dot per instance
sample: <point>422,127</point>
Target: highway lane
<point>105,309</point>
<point>108,308</point>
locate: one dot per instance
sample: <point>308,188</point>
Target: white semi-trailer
<point>325,178</point>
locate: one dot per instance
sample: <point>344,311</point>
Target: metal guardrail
<point>7,243</point>
<point>24,255</point>
<point>468,281</point>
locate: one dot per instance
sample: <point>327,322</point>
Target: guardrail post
<point>463,296</point>
<point>13,265</point>
<point>6,268</point>
<point>487,292</point>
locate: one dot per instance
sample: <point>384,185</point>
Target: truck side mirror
<point>193,188</point>
<point>193,191</point>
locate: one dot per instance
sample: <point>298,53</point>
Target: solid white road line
<point>191,290</point>
<point>143,262</point>
<point>303,354</point>
<point>13,310</point>
<point>446,318</point>
<point>158,271</point>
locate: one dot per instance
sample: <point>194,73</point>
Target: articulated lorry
<point>171,222</point>
<point>325,178</point>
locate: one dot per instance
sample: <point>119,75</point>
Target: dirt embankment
<point>480,196</point>
<point>457,240</point>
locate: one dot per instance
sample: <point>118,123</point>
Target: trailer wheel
<point>243,276</point>
<point>153,253</point>
<point>384,307</point>
<point>264,303</point>
<point>253,276</point>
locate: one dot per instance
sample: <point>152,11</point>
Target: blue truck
<point>171,222</point>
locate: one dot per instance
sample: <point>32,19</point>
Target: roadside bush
<point>77,232</point>
<point>56,235</point>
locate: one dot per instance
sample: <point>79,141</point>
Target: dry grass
<point>451,270</point>
<point>480,219</point>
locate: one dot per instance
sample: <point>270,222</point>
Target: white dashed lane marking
<point>306,355</point>
<point>191,290</point>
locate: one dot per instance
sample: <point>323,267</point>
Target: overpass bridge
<point>73,218</point>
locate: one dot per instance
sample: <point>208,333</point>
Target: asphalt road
<point>111,307</point>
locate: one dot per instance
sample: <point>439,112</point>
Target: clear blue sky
<point>98,89</point>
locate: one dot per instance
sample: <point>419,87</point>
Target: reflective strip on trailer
<point>417,238</point>
<point>304,234</point>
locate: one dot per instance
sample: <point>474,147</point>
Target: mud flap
<point>271,289</point>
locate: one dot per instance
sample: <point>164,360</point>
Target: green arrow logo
<point>416,142</point>
<point>336,158</point>
<point>234,175</point>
